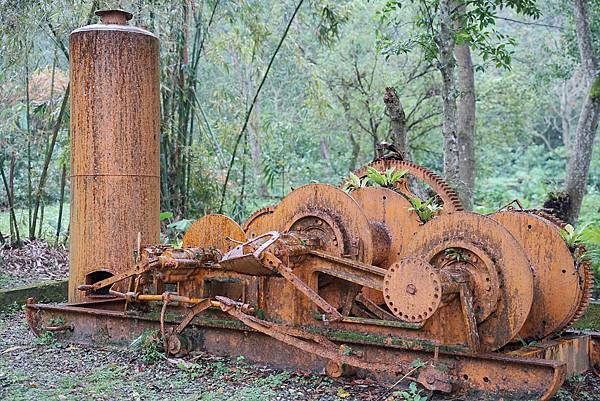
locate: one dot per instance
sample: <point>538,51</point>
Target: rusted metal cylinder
<point>115,128</point>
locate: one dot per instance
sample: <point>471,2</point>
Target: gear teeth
<point>265,210</point>
<point>448,195</point>
<point>588,287</point>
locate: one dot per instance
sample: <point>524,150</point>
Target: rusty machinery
<point>353,283</point>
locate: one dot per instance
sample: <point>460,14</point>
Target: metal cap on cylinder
<point>119,17</point>
<point>115,133</point>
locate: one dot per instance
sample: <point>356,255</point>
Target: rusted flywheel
<point>392,213</point>
<point>329,214</point>
<point>214,231</point>
<point>259,222</point>
<point>584,269</point>
<point>500,273</point>
<point>448,196</point>
<point>557,289</point>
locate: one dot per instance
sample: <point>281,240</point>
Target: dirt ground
<point>43,369</point>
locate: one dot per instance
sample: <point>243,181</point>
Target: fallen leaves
<point>32,262</point>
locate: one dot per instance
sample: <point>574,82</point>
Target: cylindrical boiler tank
<point>115,145</point>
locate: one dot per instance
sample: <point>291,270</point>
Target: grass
<point>591,319</point>
<point>48,226</point>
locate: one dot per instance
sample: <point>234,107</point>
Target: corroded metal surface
<point>324,280</point>
<point>412,289</point>
<point>115,109</point>
<point>502,276</point>
<point>480,376</point>
<point>448,196</point>
<point>329,214</point>
<point>557,282</point>
<point>259,222</point>
<point>214,231</point>
<point>585,269</point>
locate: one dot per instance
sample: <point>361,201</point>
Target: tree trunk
<point>466,125</point>
<point>447,67</point>
<point>395,111</point>
<point>581,155</point>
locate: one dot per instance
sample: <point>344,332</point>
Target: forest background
<point>260,96</point>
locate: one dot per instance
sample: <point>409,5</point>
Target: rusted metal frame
<point>194,311</point>
<point>466,303</point>
<point>384,323</point>
<point>273,263</point>
<point>374,308</point>
<point>323,347</point>
<point>505,372</point>
<point>201,258</point>
<point>140,268</point>
<point>350,271</point>
<point>510,205</point>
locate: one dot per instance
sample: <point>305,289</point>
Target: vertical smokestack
<point>115,112</point>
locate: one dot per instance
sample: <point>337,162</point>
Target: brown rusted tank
<point>115,109</point>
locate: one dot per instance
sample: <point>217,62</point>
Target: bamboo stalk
<point>11,185</point>
<point>12,217</point>
<point>249,112</point>
<point>63,179</point>
<point>48,158</point>
<point>28,125</point>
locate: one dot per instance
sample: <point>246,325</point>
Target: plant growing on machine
<point>149,346</point>
<point>374,178</point>
<point>354,182</point>
<point>456,254</point>
<point>426,210</point>
<point>588,236</point>
<point>387,179</point>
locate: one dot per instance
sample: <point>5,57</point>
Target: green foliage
<point>572,236</point>
<point>426,210</point>
<point>417,363</point>
<point>46,338</point>
<point>595,89</point>
<point>374,178</point>
<point>456,254</point>
<point>354,182</point>
<point>413,393</point>
<point>149,346</point>
<point>166,215</point>
<point>387,179</point>
<point>478,28</point>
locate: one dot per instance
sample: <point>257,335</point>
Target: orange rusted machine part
<point>363,281</point>
<point>115,109</point>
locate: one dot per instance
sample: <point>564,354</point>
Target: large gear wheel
<point>585,270</point>
<point>557,289</point>
<point>214,231</point>
<point>447,195</point>
<point>499,268</point>
<point>259,222</point>
<point>329,214</point>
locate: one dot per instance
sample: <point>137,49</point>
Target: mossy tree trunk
<point>581,154</point>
